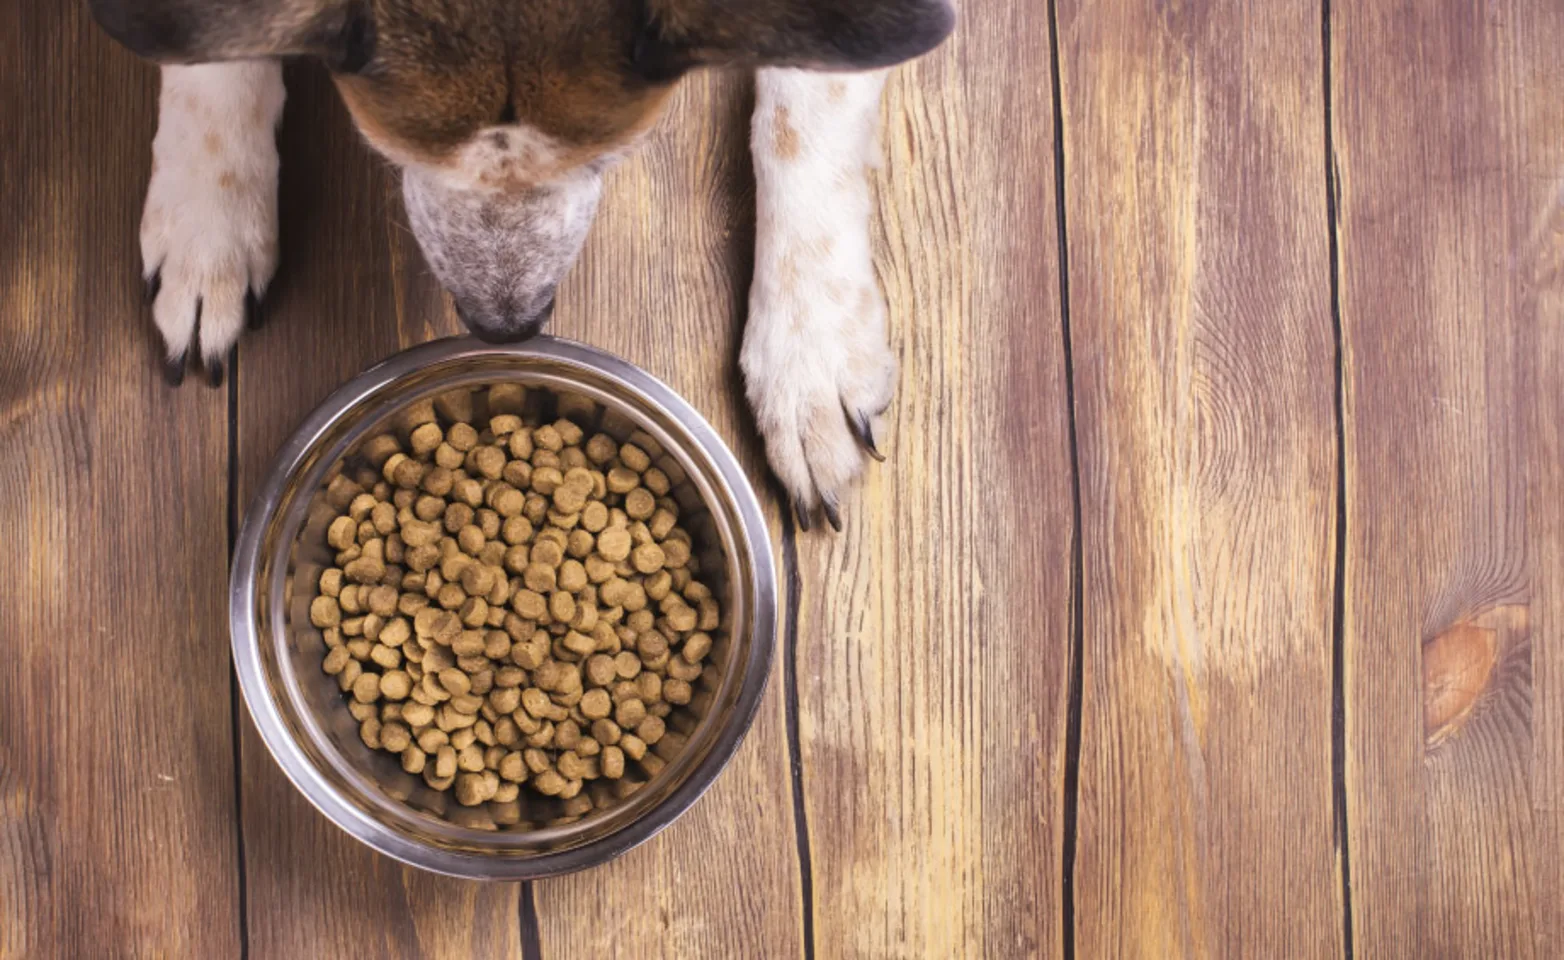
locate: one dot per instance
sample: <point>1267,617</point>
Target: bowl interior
<point>367,791</point>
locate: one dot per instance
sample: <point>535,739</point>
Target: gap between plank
<point>1072,759</point>
<point>531,941</point>
<point>235,721</point>
<point>795,586</point>
<point>1338,599</point>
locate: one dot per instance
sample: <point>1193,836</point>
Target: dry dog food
<point>513,604</point>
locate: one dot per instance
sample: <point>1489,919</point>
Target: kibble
<point>513,604</point>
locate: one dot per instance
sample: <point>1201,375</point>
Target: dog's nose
<point>501,325</point>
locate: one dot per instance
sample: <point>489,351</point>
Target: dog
<point>503,116</point>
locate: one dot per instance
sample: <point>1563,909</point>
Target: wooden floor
<point>1211,605</point>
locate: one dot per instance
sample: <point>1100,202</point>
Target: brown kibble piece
<point>634,457</point>
<point>470,790</point>
<point>676,554</point>
<point>414,759</point>
<point>395,737</point>
<point>677,692</point>
<point>572,577</point>
<point>596,704</point>
<point>490,461</point>
<point>462,436</point>
<point>445,761</point>
<point>366,688</point>
<point>549,783</point>
<point>601,671</point>
<point>630,712</point>
<point>418,714</point>
<point>648,558</point>
<point>613,544</point>
<point>612,763</point>
<point>395,685</point>
<point>633,746</point>
<point>640,504</point>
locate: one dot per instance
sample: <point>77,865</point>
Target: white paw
<point>209,227</point>
<point>818,374</point>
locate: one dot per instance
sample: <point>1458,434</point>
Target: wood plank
<point>352,289</point>
<point>1203,346</point>
<point>1448,122</point>
<point>117,827</point>
<point>934,637</point>
<point>663,282</point>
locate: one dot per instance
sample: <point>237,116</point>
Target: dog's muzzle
<point>500,327</point>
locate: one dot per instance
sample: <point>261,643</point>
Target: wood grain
<point>934,636</point>
<point>1448,120</point>
<point>933,655</point>
<point>1203,348</point>
<point>352,289</point>
<point>664,282</point>
<point>117,827</point>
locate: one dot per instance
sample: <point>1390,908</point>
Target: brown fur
<point>423,77</point>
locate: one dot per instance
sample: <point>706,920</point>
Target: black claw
<point>801,514</point>
<point>174,370</point>
<point>865,431</point>
<point>214,373</point>
<point>833,511</point>
<point>154,283</point>
<point>254,316</point>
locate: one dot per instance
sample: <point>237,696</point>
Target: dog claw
<point>174,369</point>
<point>865,432</point>
<point>801,514</point>
<point>833,511</point>
<point>254,315</point>
<point>214,373</point>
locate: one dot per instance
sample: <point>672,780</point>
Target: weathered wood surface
<point>1200,314</point>
<point>1067,683</point>
<point>934,636</point>
<point>1449,136</point>
<point>117,824</point>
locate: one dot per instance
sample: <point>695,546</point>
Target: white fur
<point>815,348</point>
<point>209,228</point>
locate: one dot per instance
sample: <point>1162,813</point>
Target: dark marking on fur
<point>212,143</point>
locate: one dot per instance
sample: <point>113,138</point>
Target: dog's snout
<point>502,323</point>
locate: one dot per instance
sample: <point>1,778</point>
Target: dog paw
<point>209,226</point>
<point>818,374</point>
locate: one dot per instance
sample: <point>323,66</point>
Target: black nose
<point>501,327</point>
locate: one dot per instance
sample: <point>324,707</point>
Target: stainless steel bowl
<point>299,710</point>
